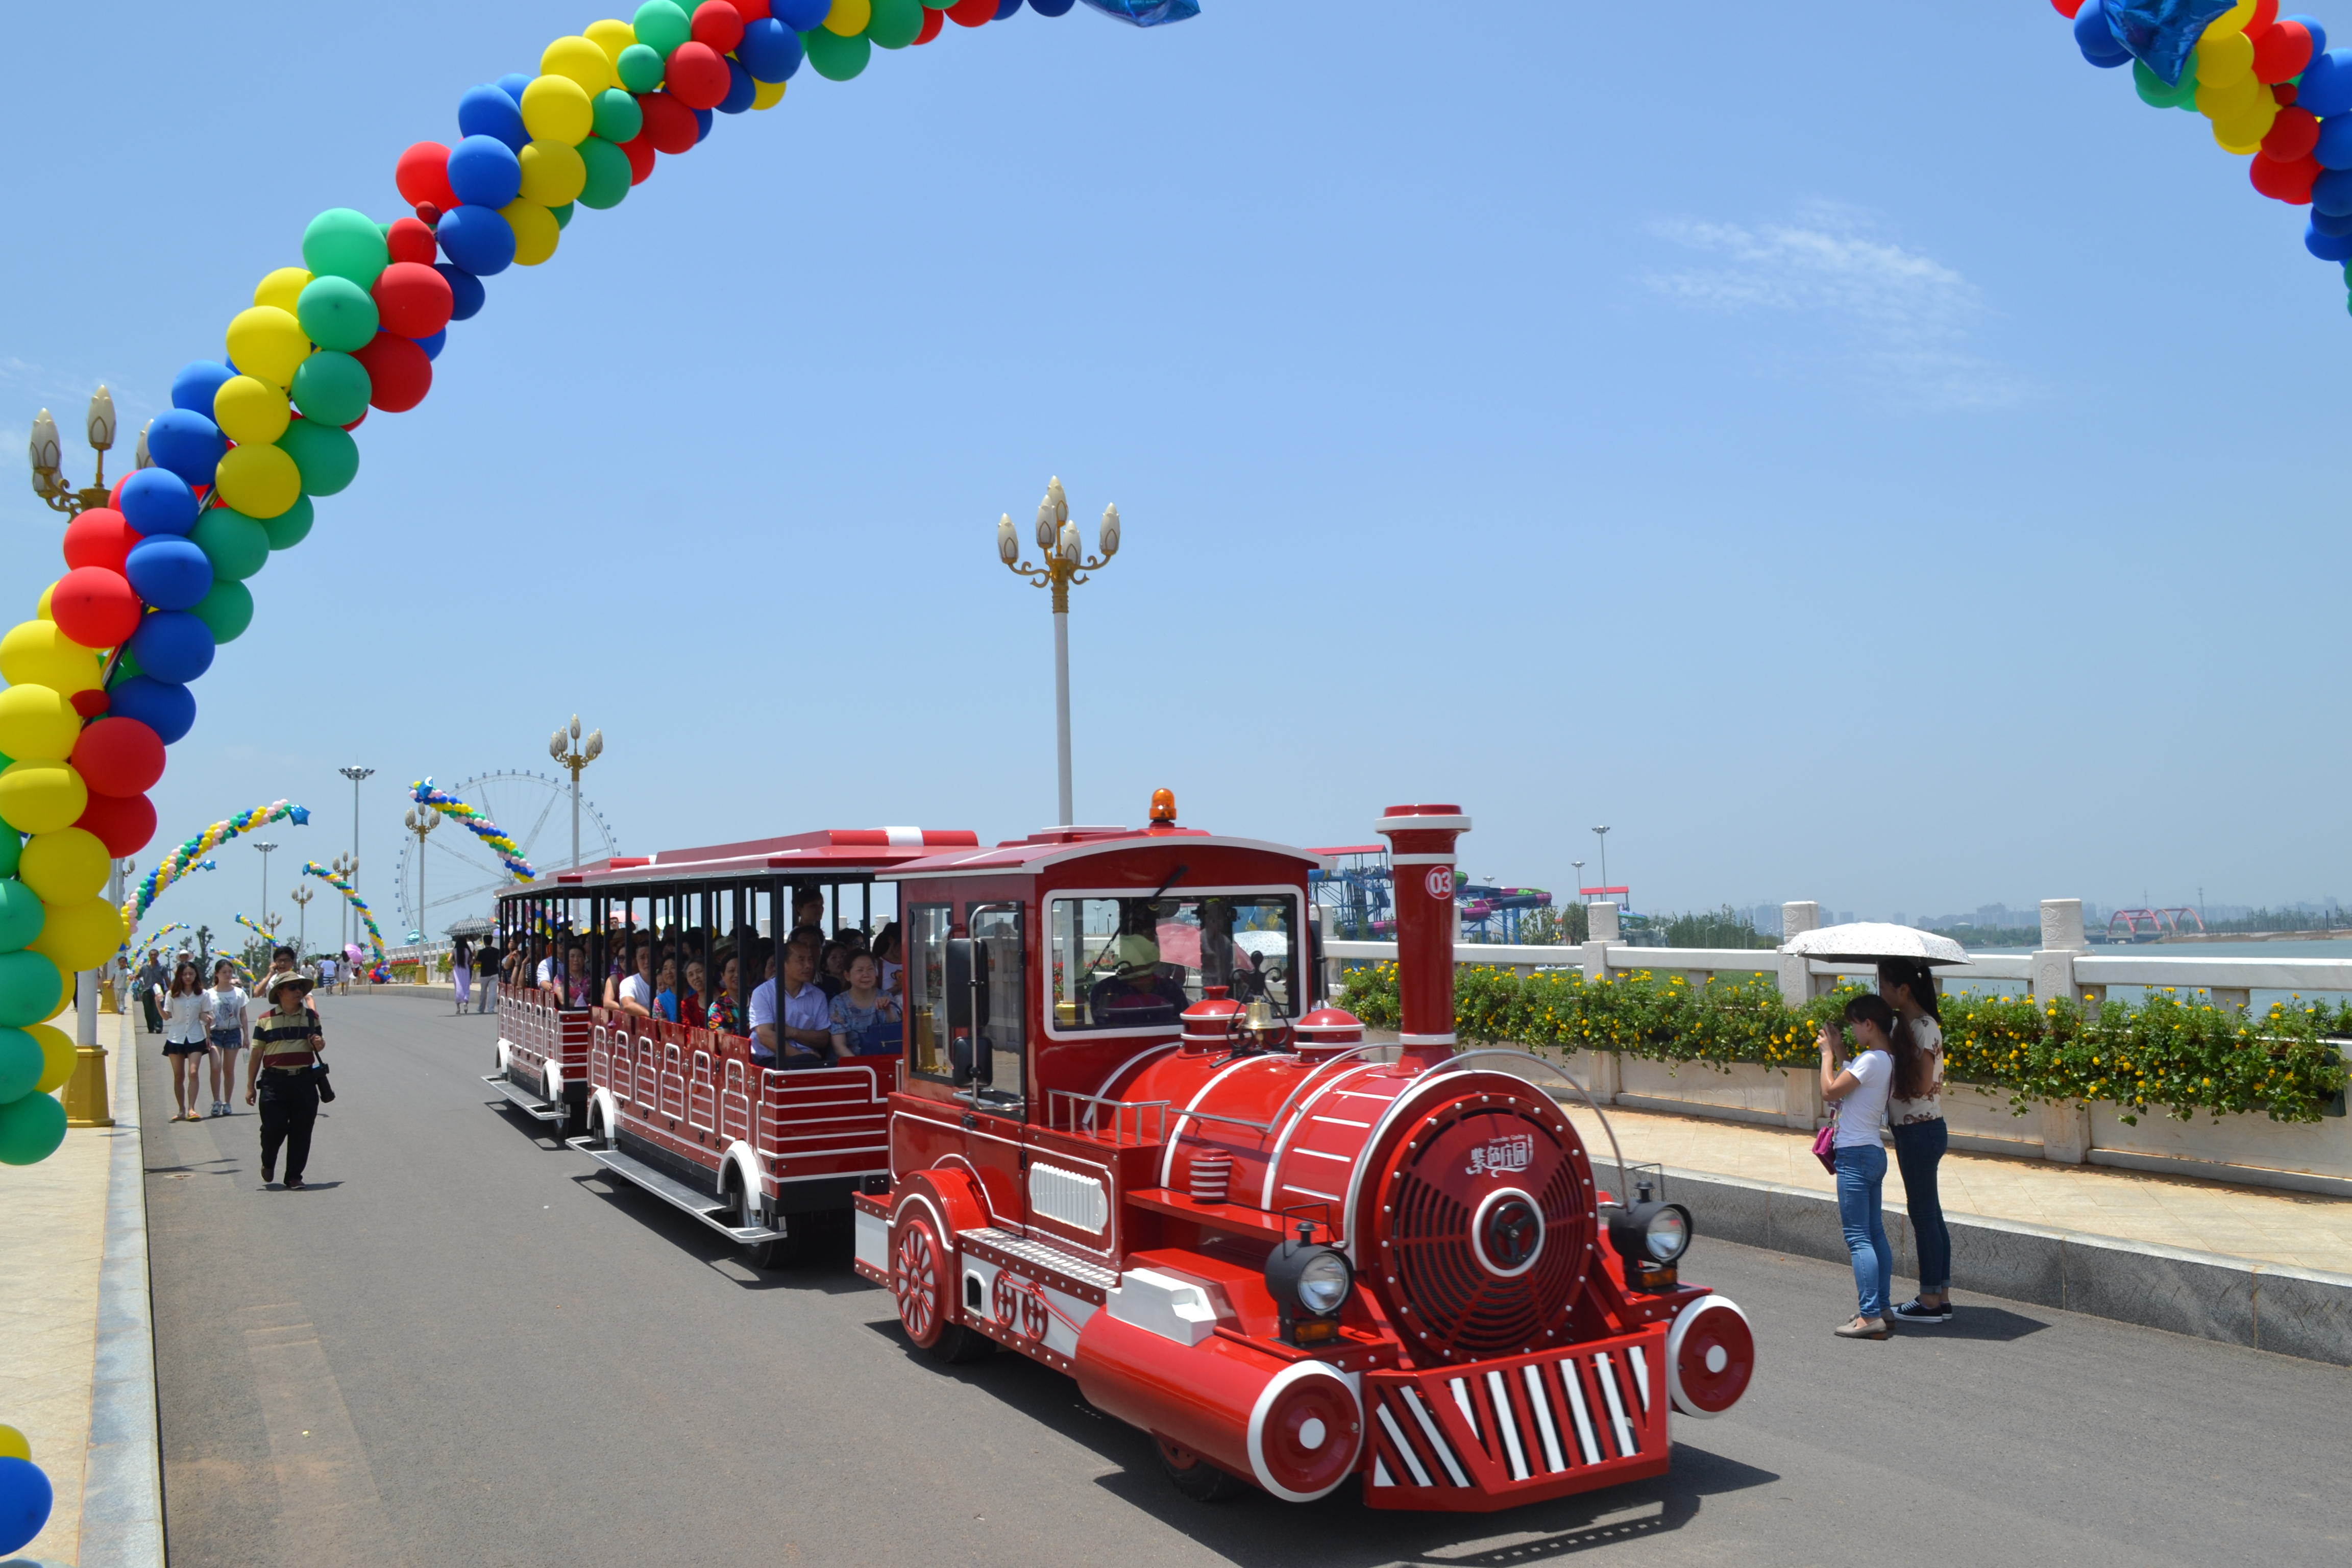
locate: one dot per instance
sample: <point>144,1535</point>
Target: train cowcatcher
<point>1123,1139</point>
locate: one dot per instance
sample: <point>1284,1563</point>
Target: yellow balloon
<point>38,723</point>
<point>767,94</point>
<point>64,867</point>
<point>535,235</point>
<point>2232,20</point>
<point>13,1444</point>
<point>282,289</point>
<point>582,60</point>
<point>268,343</point>
<point>612,37</point>
<point>553,172</point>
<point>41,606</point>
<point>2230,98</point>
<point>80,935</point>
<point>250,412</point>
<point>2225,58</point>
<point>556,109</point>
<point>56,1057</point>
<point>38,795</point>
<point>849,17</point>
<point>260,481</point>
<point>35,653</point>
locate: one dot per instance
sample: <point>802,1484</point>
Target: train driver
<point>1136,995</point>
<point>804,1031</point>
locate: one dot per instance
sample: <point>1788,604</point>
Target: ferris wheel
<point>462,874</point>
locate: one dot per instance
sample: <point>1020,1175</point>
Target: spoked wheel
<point>1193,1475</point>
<point>922,1278</point>
<point>775,1254</point>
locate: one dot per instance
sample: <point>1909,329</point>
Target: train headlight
<point>1324,1283</point>
<point>1667,1232</point>
<point>1652,1238</point>
<point>1309,1284</point>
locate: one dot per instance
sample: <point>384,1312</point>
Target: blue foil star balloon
<point>2162,33</point>
<point>1151,13</point>
<point>301,816</point>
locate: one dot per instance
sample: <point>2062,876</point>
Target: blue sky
<point>1858,453</point>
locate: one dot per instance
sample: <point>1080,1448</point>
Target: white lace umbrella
<point>1868,941</point>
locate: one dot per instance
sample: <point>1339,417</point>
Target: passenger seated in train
<point>726,1014</point>
<point>1136,995</point>
<point>802,1036</point>
<point>670,1003</point>
<point>576,978</point>
<point>865,1019</point>
<point>635,991</point>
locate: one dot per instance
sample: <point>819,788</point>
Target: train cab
<point>1127,1143</point>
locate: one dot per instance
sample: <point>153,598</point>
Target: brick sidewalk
<point>2299,1229</point>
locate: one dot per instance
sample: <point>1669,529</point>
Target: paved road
<point>462,1348</point>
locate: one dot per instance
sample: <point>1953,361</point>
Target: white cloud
<point>1899,320</point>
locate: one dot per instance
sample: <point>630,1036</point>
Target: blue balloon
<point>188,444</point>
<point>478,239</point>
<point>703,119</point>
<point>2096,38</point>
<point>192,388</point>
<point>169,572</point>
<point>1006,7</point>
<point>170,710</point>
<point>487,111</point>
<point>2318,34</point>
<point>466,290</point>
<point>432,345</point>
<point>2326,86</point>
<point>2327,247</point>
<point>173,646</point>
<point>485,171</point>
<point>2334,148</point>
<point>739,89</point>
<point>1051,8</point>
<point>24,1502</point>
<point>158,500</point>
<point>2327,224</point>
<point>2332,192</point>
<point>770,50</point>
<point>801,16</point>
<point>513,83</point>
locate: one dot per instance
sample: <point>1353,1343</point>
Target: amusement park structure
<point>1357,897</point>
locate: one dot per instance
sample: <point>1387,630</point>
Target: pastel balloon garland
<point>382,971</point>
<point>255,929</point>
<point>2274,92</point>
<point>192,852</point>
<point>477,822</point>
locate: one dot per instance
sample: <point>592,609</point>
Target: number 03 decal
<point>1440,882</point>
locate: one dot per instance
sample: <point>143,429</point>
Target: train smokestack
<point>1420,852</point>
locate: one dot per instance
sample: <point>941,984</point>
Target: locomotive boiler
<point>1127,1143</point>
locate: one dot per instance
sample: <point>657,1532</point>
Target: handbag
<point>1824,1146</point>
<point>326,1085</point>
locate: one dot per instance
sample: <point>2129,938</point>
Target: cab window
<point>927,928</point>
<point>1137,964</point>
<point>1000,1000</point>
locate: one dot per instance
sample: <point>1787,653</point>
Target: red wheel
<point>1005,1299</point>
<point>917,1279</point>
<point>1710,1356</point>
<point>1033,1318</point>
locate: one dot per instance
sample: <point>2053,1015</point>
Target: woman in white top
<point>226,1026</point>
<point>184,1046</point>
<point>1914,1111</point>
<point>1859,1092</point>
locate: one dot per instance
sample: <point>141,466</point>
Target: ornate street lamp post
<point>577,758</point>
<point>265,847</point>
<point>301,897</point>
<point>421,821</point>
<point>349,871</point>
<point>1065,562</point>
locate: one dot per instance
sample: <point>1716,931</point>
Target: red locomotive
<point>1124,1141</point>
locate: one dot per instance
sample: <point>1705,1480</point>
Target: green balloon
<point>608,174</point>
<point>336,313</point>
<point>562,216</point>
<point>31,1129</point>
<point>896,23</point>
<point>836,59</point>
<point>341,243</point>
<point>235,544</point>
<point>21,918</point>
<point>29,986</point>
<point>20,1064</point>
<point>639,68</point>
<point>11,848</point>
<point>227,610</point>
<point>661,25</point>
<point>328,456</point>
<point>619,118</point>
<point>291,527</point>
<point>331,387</point>
<point>125,668</point>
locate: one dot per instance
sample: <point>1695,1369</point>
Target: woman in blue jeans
<point>1915,1111</point>
<point>1859,1092</point>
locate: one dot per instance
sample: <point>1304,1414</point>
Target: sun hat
<point>280,982</point>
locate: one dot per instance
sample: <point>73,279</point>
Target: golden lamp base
<point>86,1096</point>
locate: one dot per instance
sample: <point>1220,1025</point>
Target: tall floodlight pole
<point>1065,562</point>
<point>1603,834</point>
<point>577,758</point>
<point>352,872</point>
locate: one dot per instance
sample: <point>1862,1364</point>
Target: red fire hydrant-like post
<point>1421,853</point>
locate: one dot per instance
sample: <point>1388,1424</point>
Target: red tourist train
<point>1122,1139</point>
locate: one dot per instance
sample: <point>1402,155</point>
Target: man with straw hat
<point>285,1074</point>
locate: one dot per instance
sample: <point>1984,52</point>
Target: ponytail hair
<point>1872,1009</point>
<point>1913,1074</point>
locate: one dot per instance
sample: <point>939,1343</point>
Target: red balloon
<point>2266,13</point>
<point>411,239</point>
<point>123,823</point>
<point>640,154</point>
<point>2295,133</point>
<point>95,607</point>
<point>971,13</point>
<point>697,75</point>
<point>2282,51</point>
<point>2067,8</point>
<point>412,298</point>
<point>99,537</point>
<point>717,23</point>
<point>399,374</point>
<point>750,10</point>
<point>423,176</point>
<point>2285,180</point>
<point>119,757</point>
<point>114,496</point>
<point>90,701</point>
<point>670,125</point>
<point>933,22</point>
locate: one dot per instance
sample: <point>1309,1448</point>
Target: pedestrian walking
<point>226,1026</point>
<point>1914,1111</point>
<point>461,958</point>
<point>152,979</point>
<point>1859,1091</point>
<point>186,1048</point>
<point>487,974</point>
<point>282,1078</point>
